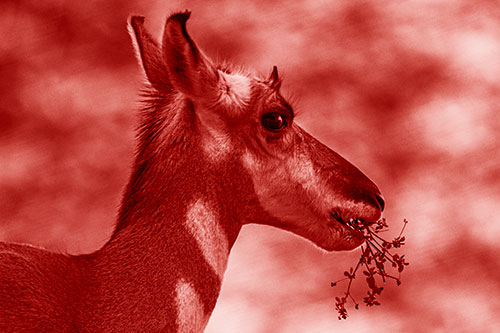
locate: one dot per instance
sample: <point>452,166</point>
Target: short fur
<point>162,265</point>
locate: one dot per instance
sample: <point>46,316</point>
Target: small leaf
<point>371,282</point>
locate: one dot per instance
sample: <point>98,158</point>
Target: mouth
<point>353,224</point>
<point>355,230</point>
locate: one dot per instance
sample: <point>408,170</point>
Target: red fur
<point>129,284</point>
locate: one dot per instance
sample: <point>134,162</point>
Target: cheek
<point>310,188</point>
<point>289,190</point>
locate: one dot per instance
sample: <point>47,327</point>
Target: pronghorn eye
<point>273,121</point>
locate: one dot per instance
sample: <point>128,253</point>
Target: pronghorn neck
<point>217,150</point>
<point>179,218</point>
<point>172,171</point>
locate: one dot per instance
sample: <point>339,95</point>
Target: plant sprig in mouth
<point>375,253</point>
<point>354,224</point>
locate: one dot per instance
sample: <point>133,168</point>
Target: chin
<point>341,239</point>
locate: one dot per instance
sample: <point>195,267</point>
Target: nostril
<point>381,201</point>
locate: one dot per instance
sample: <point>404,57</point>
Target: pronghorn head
<point>298,183</point>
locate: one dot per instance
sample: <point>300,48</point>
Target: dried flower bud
<point>374,254</point>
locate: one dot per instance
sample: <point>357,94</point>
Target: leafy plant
<point>376,253</point>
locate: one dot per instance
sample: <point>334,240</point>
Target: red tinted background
<point>408,91</point>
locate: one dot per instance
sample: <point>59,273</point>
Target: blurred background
<point>406,90</point>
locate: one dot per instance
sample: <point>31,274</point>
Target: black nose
<point>381,201</point>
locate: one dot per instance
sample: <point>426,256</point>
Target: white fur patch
<point>203,223</point>
<point>216,144</point>
<point>191,317</point>
<point>236,90</point>
<point>215,141</point>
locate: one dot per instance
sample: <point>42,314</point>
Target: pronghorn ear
<point>148,54</point>
<point>190,71</point>
<point>274,81</point>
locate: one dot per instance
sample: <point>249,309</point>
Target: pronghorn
<point>217,148</point>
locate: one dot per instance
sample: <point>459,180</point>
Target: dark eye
<point>273,121</point>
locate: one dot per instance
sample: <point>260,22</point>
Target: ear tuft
<point>181,17</point>
<point>175,31</point>
<point>148,54</point>
<point>135,21</point>
<point>190,71</point>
